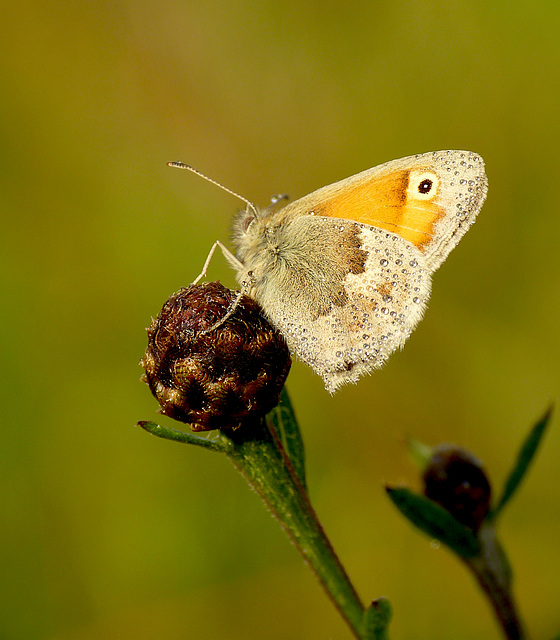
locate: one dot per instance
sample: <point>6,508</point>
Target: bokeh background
<point>107,532</point>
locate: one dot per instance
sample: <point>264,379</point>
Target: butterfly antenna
<point>182,165</point>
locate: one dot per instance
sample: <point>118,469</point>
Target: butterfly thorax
<point>258,240</point>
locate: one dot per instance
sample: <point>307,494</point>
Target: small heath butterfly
<point>345,272</point>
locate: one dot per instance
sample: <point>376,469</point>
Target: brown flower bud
<point>455,479</point>
<point>216,378</point>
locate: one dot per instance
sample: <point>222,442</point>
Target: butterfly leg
<point>228,255</point>
<point>232,307</point>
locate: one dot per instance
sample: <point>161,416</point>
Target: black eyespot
<point>425,186</point>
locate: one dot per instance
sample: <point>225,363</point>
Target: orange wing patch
<point>401,202</point>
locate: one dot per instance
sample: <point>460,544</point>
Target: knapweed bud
<point>455,479</point>
<point>214,378</point>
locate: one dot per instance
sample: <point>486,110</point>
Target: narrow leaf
<point>285,425</point>
<point>215,443</point>
<point>524,459</point>
<point>434,520</point>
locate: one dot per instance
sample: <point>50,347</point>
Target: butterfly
<point>345,272</point>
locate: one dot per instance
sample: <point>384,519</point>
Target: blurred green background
<point>107,532</point>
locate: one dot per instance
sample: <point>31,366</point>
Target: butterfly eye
<point>425,186</point>
<point>247,223</point>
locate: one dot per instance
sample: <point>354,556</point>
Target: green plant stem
<point>267,468</point>
<point>491,571</point>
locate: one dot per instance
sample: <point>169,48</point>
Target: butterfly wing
<point>345,272</point>
<point>430,199</point>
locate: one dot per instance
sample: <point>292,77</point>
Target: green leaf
<point>214,440</point>
<point>285,426</point>
<point>436,521</point>
<point>376,619</point>
<point>524,459</point>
